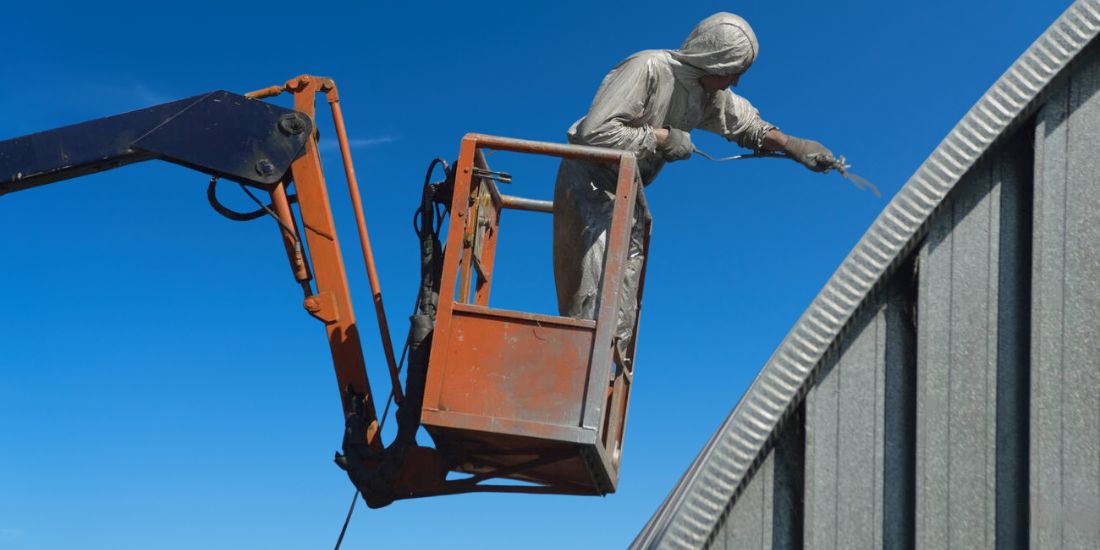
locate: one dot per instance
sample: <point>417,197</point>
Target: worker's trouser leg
<point>583,204</point>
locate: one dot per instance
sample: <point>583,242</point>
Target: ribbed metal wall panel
<point>692,512</point>
<point>1065,408</point>
<point>916,427</point>
<point>858,480</point>
<point>844,443</point>
<point>1013,173</point>
<point>971,385</point>
<point>750,526</point>
<point>954,426</point>
<point>960,367</point>
<point>769,512</point>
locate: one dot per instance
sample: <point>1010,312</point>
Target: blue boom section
<point>219,133</point>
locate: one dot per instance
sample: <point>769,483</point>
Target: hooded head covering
<point>721,44</point>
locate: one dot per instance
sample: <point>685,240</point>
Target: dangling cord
<point>404,352</point>
<point>355,497</point>
<point>298,249</point>
<point>212,196</point>
<point>267,209</point>
<point>382,424</point>
<point>347,519</point>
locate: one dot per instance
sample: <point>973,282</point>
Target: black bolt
<point>265,168</point>
<point>292,124</point>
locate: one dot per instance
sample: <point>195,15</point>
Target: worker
<point>648,105</point>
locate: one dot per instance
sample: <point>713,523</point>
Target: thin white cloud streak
<point>134,95</point>
<point>56,105</point>
<point>144,94</point>
<point>357,143</point>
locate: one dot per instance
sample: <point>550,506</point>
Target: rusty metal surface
<point>521,203</point>
<point>328,87</point>
<point>499,432</point>
<point>305,88</point>
<point>485,247</point>
<point>705,493</point>
<point>581,152</point>
<point>517,367</point>
<point>479,452</point>
<point>505,386</point>
<point>618,238</point>
<point>330,276</point>
<point>291,236</point>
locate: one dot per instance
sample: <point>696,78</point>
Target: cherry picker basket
<point>537,398</point>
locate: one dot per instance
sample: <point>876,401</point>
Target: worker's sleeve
<point>734,118</point>
<point>617,117</point>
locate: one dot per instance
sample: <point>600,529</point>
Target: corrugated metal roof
<point>689,514</point>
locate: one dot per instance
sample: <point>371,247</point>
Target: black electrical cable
<point>382,424</point>
<point>347,519</point>
<point>435,234</point>
<point>400,363</point>
<point>440,209</point>
<point>212,198</point>
<point>266,209</point>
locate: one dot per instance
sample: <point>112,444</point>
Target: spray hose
<point>837,164</point>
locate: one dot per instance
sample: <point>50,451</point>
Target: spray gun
<point>838,164</point>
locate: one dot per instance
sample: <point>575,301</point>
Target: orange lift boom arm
<point>565,436</point>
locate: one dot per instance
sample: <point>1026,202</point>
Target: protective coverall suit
<point>650,90</point>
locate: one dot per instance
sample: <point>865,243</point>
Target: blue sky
<point>160,386</point>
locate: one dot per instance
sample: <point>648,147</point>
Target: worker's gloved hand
<point>677,146</point>
<point>810,154</point>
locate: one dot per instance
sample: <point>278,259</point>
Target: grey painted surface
<point>960,366</point>
<point>1065,357</point>
<point>858,469</point>
<point>1013,173</point>
<point>954,427</point>
<point>769,513</point>
<point>749,526</point>
<point>844,443</point>
<point>788,484</point>
<point>900,411</point>
<point>690,515</point>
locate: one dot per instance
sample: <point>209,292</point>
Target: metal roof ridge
<point>689,515</point>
